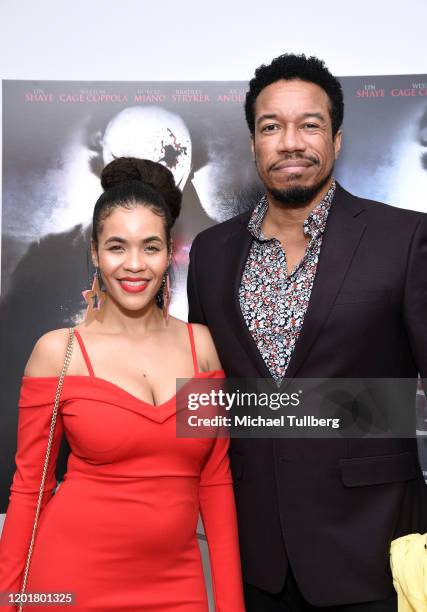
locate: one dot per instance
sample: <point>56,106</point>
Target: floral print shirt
<point>273,301</point>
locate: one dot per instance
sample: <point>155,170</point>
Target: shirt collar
<point>314,225</point>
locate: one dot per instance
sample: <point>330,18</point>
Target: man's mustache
<point>306,158</point>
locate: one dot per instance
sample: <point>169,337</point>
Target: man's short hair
<point>288,67</point>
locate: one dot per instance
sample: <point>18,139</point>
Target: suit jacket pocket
<point>236,465</point>
<point>359,297</point>
<point>362,471</point>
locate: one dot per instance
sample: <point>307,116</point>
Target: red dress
<point>120,531</point>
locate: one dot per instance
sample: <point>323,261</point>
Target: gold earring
<point>166,296</point>
<point>94,297</point>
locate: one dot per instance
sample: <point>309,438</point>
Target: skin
<point>129,342</point>
<point>132,244</point>
<point>293,145</point>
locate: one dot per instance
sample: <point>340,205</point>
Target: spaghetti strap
<point>84,352</point>
<point>193,348</point>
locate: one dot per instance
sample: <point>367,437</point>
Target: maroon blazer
<point>329,507</point>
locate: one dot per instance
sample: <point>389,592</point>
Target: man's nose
<point>291,140</point>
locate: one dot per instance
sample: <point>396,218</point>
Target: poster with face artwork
<point>57,137</point>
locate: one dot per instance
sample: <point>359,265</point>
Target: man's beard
<point>297,196</point>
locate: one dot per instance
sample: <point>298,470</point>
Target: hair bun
<point>157,176</point>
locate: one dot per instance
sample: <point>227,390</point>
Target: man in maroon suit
<point>316,283</point>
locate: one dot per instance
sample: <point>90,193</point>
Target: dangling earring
<point>166,296</point>
<point>94,297</point>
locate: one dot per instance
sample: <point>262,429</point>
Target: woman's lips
<point>133,286</point>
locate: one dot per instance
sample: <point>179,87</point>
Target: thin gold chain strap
<point>46,461</point>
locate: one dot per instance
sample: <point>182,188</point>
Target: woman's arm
<point>47,357</point>
<point>218,513</point>
<point>35,412</point>
<point>207,355</point>
<point>216,500</point>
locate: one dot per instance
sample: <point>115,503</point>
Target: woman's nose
<point>135,261</point>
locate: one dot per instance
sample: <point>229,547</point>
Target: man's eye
<point>311,126</point>
<point>271,127</point>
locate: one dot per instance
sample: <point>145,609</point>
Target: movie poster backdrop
<point>57,137</point>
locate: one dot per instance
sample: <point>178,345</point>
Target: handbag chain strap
<point>46,461</point>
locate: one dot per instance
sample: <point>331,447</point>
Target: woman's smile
<point>133,285</point>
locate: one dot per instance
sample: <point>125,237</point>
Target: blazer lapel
<point>237,250</point>
<point>344,229</point>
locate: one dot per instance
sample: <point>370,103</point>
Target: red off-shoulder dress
<point>120,531</point>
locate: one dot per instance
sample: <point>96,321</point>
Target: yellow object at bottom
<point>408,560</point>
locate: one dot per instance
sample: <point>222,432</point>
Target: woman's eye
<point>152,249</point>
<point>116,247</point>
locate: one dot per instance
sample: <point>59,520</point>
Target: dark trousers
<point>290,599</point>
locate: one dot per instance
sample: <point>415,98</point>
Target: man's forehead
<point>293,95</point>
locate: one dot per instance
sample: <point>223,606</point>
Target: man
<point>315,283</point>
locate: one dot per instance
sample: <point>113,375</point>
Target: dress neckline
<point>155,407</point>
<point>128,393</point>
<point>131,396</point>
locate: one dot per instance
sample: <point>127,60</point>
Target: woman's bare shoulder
<point>48,354</point>
<point>205,348</point>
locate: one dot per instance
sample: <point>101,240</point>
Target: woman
<point>120,532</point>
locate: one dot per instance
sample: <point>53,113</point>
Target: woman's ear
<point>170,252</point>
<point>94,253</point>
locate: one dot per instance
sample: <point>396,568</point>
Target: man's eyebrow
<point>266,116</point>
<point>315,114</point>
<point>318,115</point>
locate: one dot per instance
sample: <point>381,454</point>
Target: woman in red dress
<point>120,531</point>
